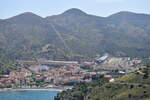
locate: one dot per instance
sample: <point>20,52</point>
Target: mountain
<point>133,86</point>
<point>7,66</point>
<point>74,11</point>
<point>24,34</point>
<point>26,18</point>
<point>135,19</point>
<point>75,34</point>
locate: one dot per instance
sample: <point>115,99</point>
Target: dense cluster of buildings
<point>54,73</point>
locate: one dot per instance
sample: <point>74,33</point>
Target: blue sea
<point>28,95</point>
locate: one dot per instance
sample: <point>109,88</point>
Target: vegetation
<point>133,86</point>
<point>6,66</point>
<point>80,91</point>
<point>146,62</point>
<point>80,35</point>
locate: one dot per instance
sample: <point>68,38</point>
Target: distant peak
<point>29,14</point>
<point>26,18</point>
<point>122,13</point>
<point>74,11</point>
<point>26,15</point>
<point>125,12</point>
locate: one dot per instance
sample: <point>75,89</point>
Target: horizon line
<point>70,9</point>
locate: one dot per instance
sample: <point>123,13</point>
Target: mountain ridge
<point>84,34</point>
<point>80,11</point>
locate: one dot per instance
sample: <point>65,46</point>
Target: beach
<point>30,89</point>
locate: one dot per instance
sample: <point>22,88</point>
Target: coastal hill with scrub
<point>133,86</point>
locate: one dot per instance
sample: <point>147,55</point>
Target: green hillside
<point>133,86</point>
<point>7,65</point>
<point>75,34</point>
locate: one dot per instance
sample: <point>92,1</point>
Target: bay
<point>28,95</point>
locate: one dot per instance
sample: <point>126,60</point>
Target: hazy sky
<point>44,8</point>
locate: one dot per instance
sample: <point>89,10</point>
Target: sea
<point>28,95</point>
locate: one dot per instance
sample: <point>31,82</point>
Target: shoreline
<point>30,89</point>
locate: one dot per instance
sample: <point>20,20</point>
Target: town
<point>64,74</point>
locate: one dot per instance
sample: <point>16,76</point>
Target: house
<point>122,72</point>
<point>93,73</point>
<point>109,77</point>
<point>112,80</point>
<point>17,75</point>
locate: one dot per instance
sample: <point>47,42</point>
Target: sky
<point>9,8</point>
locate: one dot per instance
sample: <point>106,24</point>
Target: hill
<point>75,34</point>
<point>133,86</point>
<point>6,66</point>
